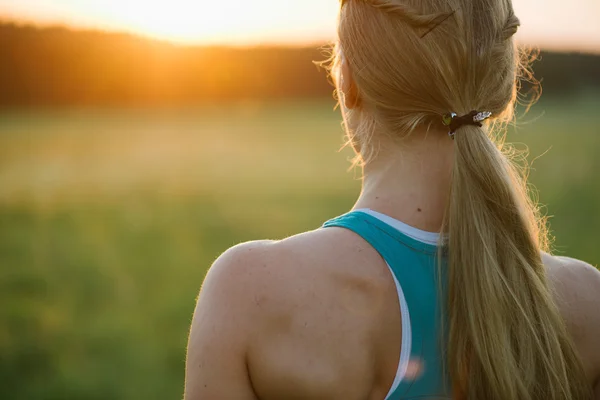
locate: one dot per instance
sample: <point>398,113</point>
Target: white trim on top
<point>410,231</point>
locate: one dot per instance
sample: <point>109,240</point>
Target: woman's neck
<point>410,180</point>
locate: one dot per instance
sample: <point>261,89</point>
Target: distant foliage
<point>57,66</point>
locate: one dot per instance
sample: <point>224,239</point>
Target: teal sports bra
<point>413,263</point>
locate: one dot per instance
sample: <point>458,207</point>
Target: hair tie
<point>474,118</point>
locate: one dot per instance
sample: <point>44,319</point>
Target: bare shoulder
<point>229,315</point>
<point>247,281</point>
<point>254,282</point>
<point>576,286</point>
<point>259,276</point>
<point>247,278</point>
<point>218,341</point>
<point>267,310</point>
<point>230,285</point>
<point>234,272</point>
<point>575,281</point>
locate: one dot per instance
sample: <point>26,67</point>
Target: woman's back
<point>317,316</point>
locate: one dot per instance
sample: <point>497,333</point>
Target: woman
<point>369,307</point>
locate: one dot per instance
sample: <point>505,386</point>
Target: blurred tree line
<point>58,66</point>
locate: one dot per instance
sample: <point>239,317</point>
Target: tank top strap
<point>414,265</point>
<point>377,233</point>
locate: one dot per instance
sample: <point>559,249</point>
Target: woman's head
<point>403,64</point>
<point>409,62</point>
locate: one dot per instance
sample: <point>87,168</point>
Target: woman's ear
<point>347,87</point>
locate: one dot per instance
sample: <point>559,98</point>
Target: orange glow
<point>183,20</point>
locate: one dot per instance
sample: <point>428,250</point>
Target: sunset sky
<point>547,23</point>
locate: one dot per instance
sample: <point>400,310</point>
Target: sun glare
<point>205,20</point>
<point>178,20</point>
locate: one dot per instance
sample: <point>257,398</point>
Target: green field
<point>110,218</point>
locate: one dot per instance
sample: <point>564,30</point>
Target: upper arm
<point>222,326</point>
<point>579,285</point>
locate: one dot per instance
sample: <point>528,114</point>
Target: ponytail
<point>506,337</point>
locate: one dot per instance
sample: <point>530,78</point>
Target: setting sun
<point>185,21</point>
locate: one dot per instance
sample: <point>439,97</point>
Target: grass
<point>109,220</point>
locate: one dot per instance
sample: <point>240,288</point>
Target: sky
<point>556,24</point>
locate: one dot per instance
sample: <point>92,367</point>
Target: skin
<point>316,316</point>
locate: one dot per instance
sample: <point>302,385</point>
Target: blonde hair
<point>413,61</point>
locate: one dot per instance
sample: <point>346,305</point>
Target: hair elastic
<point>474,118</point>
